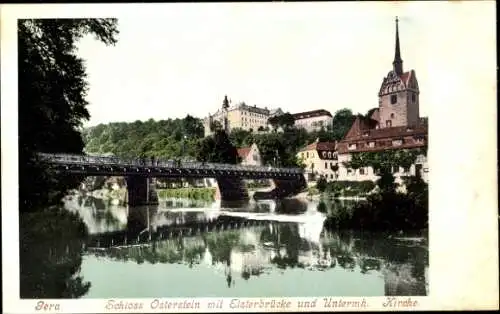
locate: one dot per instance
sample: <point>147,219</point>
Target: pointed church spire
<point>397,63</point>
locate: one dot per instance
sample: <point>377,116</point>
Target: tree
<point>215,126</point>
<point>192,127</point>
<point>285,121</point>
<point>217,148</point>
<point>240,137</point>
<point>342,122</point>
<point>52,89</point>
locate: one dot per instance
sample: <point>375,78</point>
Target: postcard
<point>229,157</point>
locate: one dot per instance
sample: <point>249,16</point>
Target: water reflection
<point>249,242</point>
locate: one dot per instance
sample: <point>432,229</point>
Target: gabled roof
<point>320,146</point>
<point>359,125</point>
<point>243,152</point>
<point>374,114</point>
<point>393,79</point>
<point>310,114</point>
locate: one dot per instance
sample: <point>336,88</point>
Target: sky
<point>177,59</point>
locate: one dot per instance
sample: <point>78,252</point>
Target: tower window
<point>392,115</point>
<point>394,99</point>
<point>413,98</point>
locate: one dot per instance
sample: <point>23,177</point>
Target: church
<point>395,124</point>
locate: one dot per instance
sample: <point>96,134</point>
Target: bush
<point>349,188</point>
<point>321,184</point>
<point>387,211</point>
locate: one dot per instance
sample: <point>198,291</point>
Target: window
<point>324,154</point>
<point>413,98</point>
<point>329,154</point>
<point>371,144</point>
<point>388,123</point>
<point>392,115</point>
<point>366,133</point>
<point>352,146</point>
<point>361,171</point>
<point>307,154</point>
<point>326,165</point>
<point>397,142</point>
<point>394,99</point>
<point>419,139</point>
<point>331,175</point>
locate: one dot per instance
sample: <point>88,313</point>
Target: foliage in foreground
<point>345,188</point>
<point>387,210</point>
<point>52,89</point>
<point>52,106</point>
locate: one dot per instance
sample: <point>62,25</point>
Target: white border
<point>463,268</point>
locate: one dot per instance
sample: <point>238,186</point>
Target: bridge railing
<point>173,164</point>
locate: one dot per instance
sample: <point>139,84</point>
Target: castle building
<point>395,124</point>
<point>313,120</point>
<point>242,116</point>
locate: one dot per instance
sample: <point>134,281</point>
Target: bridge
<point>140,175</point>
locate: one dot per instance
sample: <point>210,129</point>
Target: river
<point>184,248</point>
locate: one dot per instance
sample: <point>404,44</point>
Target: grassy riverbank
<point>342,189</point>
<point>189,193</point>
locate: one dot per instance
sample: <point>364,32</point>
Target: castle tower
<point>399,94</point>
<point>225,120</point>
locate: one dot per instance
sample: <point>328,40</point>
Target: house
<point>250,155</point>
<point>361,138</point>
<point>320,159</point>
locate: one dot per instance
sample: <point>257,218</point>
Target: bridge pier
<point>281,188</point>
<point>141,190</point>
<point>230,189</point>
<point>285,188</point>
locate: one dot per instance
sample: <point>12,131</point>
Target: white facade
<point>316,165</point>
<point>242,116</point>
<point>314,123</point>
<point>367,173</point>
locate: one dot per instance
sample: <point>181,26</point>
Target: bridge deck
<point>100,165</point>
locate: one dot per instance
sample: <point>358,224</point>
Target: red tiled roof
<point>326,146</point>
<point>243,151</point>
<point>396,131</point>
<point>310,114</point>
<point>384,133</point>
<point>359,125</point>
<point>375,114</point>
<point>404,77</point>
<point>320,146</point>
<point>311,146</point>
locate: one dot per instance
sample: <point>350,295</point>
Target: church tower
<point>399,94</point>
